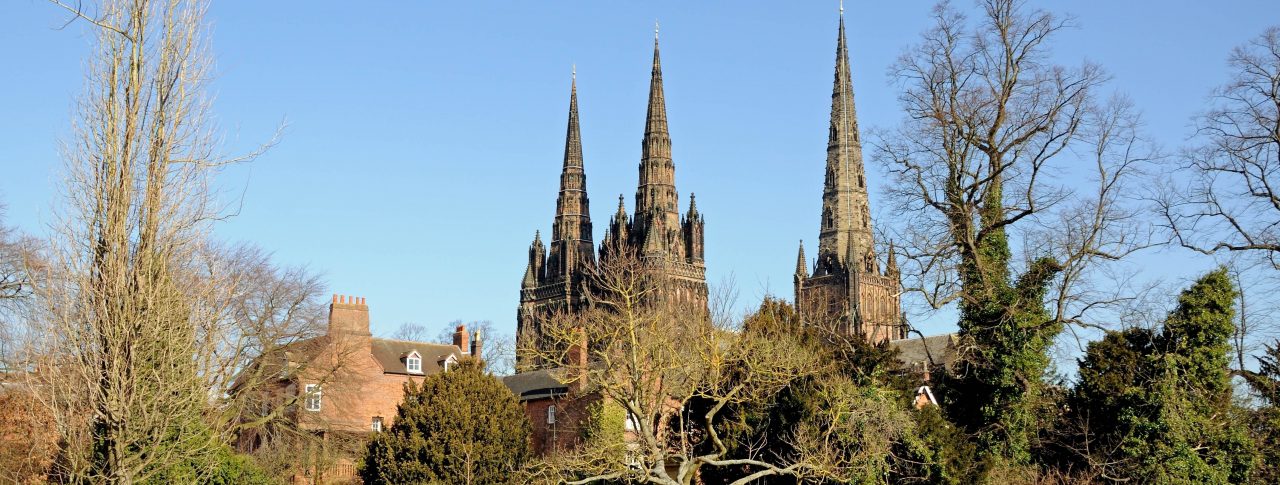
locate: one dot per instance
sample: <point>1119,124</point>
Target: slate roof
<point>537,384</point>
<point>921,352</point>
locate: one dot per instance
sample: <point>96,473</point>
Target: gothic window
<point>862,181</point>
<point>866,218</point>
<point>829,219</point>
<point>313,397</point>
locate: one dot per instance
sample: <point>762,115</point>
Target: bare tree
<point>1231,201</point>
<point>18,256</point>
<point>131,302</point>
<point>418,332</point>
<point>993,130</point>
<point>661,358</point>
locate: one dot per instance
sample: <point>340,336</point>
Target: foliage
<point>1264,421</point>
<point>462,426</point>
<point>850,417</point>
<point>1005,338</point>
<point>221,466</point>
<point>1158,406</point>
<point>938,452</point>
<point>605,427</point>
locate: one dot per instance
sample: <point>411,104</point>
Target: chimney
<point>460,338</point>
<point>577,362</point>
<point>477,344</point>
<point>349,315</point>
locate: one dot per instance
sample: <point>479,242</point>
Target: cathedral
<point>847,285</point>
<point>557,280</point>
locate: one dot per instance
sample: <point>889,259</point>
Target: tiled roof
<point>391,354</point>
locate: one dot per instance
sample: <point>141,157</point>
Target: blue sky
<point>424,138</point>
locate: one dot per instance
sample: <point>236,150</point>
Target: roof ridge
<point>437,344</point>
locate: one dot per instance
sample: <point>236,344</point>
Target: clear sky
<point>425,138</point>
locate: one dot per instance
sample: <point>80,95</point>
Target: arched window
<point>551,414</point>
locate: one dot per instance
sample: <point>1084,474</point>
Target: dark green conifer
<point>458,427</point>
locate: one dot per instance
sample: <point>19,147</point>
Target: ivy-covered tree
<point>458,427</point>
<point>1158,407</point>
<point>991,122</point>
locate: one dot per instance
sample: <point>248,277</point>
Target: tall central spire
<point>846,218</point>
<point>571,244</point>
<point>656,199</point>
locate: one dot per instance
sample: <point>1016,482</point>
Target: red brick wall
<point>566,433</point>
<point>354,392</point>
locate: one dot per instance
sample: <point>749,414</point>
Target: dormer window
<point>413,363</point>
<point>448,363</point>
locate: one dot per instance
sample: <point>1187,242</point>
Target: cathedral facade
<point>848,285</point>
<point>558,280</point>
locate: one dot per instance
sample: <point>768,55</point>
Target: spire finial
<point>574,72</point>
<point>655,29</point>
<point>842,8</point>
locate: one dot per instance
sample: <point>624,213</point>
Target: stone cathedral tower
<point>657,233</point>
<point>556,281</point>
<point>559,280</point>
<point>847,283</point>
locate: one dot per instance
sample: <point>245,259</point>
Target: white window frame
<point>376,424</point>
<point>449,362</point>
<point>313,397</point>
<point>551,414</point>
<point>413,360</point>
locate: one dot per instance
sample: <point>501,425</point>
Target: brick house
<point>342,386</point>
<point>557,402</point>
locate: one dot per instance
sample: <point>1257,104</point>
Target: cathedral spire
<point>571,243</point>
<point>891,267</point>
<point>656,198</point>
<point>802,268</point>
<point>846,221</point>
<point>533,273</point>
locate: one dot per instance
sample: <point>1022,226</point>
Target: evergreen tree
<point>1158,408</point>
<point>458,427</point>
<point>1264,423</point>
